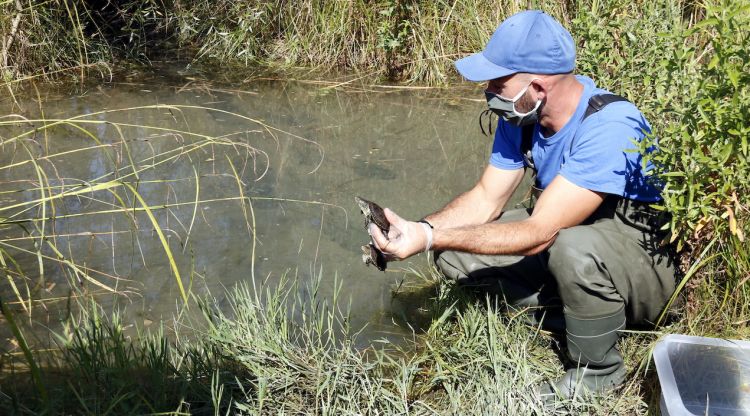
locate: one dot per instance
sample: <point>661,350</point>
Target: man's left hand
<point>405,238</point>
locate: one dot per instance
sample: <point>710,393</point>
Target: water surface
<point>317,147</point>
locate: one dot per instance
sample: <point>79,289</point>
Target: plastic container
<point>703,376</point>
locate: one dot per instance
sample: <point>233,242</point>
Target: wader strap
<point>526,134</point>
<point>596,103</point>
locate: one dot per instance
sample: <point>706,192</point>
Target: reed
<point>133,158</point>
<point>408,40</point>
<point>287,349</point>
<point>114,191</point>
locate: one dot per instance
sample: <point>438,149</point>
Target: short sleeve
<point>604,158</point>
<point>506,148</point>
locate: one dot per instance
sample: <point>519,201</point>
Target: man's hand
<point>405,238</point>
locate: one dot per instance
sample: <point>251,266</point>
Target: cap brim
<point>478,68</point>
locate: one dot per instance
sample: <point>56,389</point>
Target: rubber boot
<point>592,346</point>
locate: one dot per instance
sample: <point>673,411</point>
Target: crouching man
<point>591,243</point>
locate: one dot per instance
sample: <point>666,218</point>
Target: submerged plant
<point>49,213</point>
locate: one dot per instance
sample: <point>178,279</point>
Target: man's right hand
<point>405,238</point>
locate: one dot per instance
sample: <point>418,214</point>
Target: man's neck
<point>562,102</point>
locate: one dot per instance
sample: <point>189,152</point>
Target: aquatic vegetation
<point>130,162</point>
<point>113,170</point>
<point>256,358</point>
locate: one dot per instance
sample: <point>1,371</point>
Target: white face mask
<point>506,107</point>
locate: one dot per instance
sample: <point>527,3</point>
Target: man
<point>592,242</point>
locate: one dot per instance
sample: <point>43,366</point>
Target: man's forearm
<point>520,238</point>
<point>469,208</point>
<point>483,203</point>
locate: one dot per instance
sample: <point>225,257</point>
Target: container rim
<point>669,391</point>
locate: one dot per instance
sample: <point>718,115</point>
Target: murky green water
<point>318,148</point>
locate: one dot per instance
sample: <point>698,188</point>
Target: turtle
<point>373,215</point>
<point>371,255</point>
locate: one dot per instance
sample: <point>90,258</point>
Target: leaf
<point>734,76</point>
<point>733,225</point>
<point>711,21</point>
<point>163,239</point>
<point>737,207</point>
<point>725,153</point>
<point>701,223</point>
<point>713,63</point>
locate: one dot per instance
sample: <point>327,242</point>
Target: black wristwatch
<point>426,222</point>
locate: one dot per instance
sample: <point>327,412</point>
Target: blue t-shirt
<point>597,153</point>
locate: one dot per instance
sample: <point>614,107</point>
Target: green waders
<point>605,272</point>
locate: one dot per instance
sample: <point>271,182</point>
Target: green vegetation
<point>255,359</point>
<point>685,63</point>
<point>131,163</point>
<point>400,39</point>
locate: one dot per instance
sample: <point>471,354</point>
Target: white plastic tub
<point>703,376</point>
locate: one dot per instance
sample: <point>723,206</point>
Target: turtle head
<point>364,205</point>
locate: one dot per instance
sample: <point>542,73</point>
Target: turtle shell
<point>374,214</point>
<point>371,255</point>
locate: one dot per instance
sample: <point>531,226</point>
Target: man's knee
<point>578,265</point>
<point>449,264</point>
<point>572,254</point>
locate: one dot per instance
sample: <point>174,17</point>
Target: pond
<point>251,180</point>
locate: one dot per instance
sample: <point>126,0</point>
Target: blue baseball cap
<point>530,41</point>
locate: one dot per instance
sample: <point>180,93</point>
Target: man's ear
<point>540,87</point>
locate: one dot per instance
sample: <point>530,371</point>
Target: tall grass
<point>129,167</point>
<point>41,39</point>
<point>388,39</point>
<point>410,40</point>
<point>31,213</point>
<point>275,351</point>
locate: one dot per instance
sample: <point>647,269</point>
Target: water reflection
<point>315,150</point>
